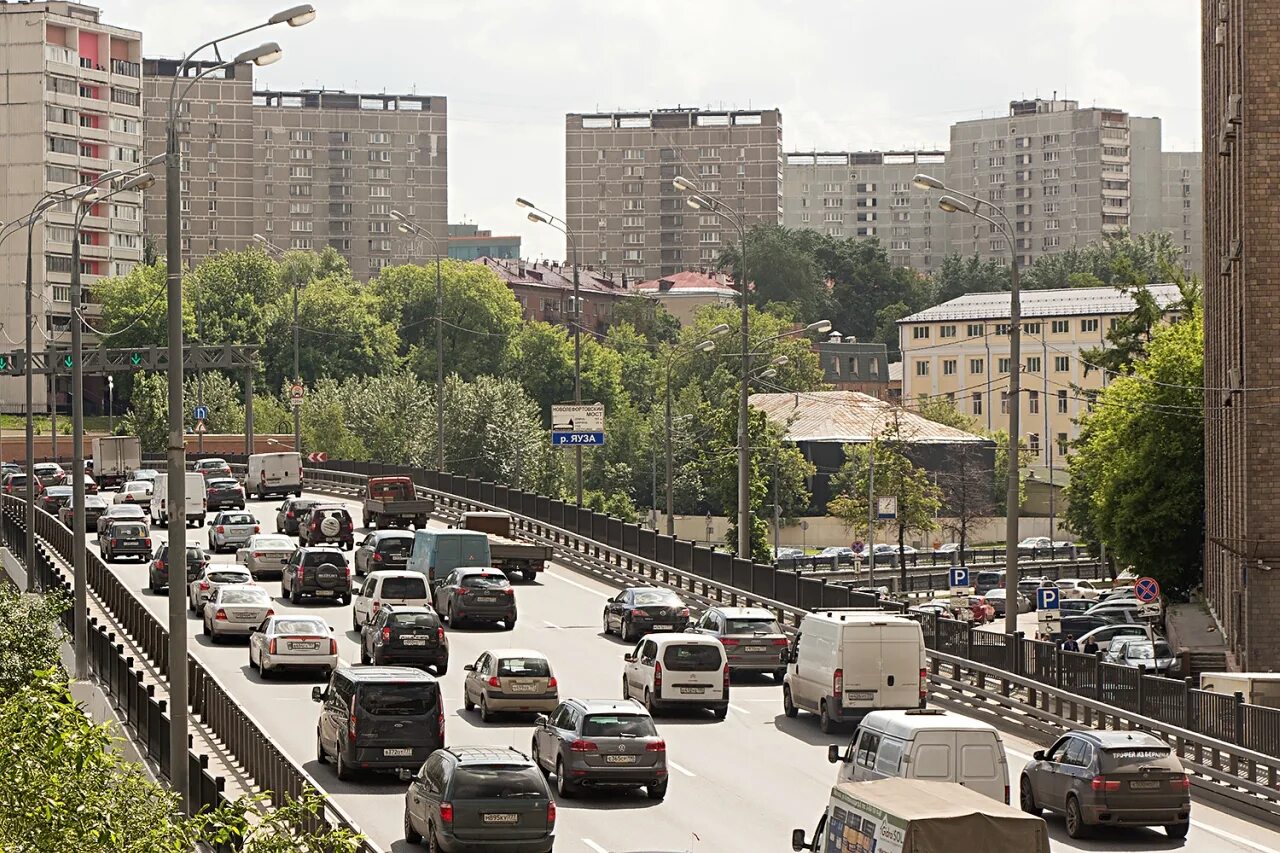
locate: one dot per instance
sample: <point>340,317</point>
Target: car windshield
<point>220,483</point>
<point>618,725</point>
<point>524,667</point>
<point>243,596</point>
<point>485,782</point>
<point>690,657</point>
<point>194,553</point>
<point>1140,651</point>
<point>17,479</point>
<point>319,558</point>
<point>58,491</point>
<point>398,700</point>
<point>404,587</point>
<point>1130,758</point>
<point>751,625</point>
<point>229,577</point>
<point>126,511</point>
<point>274,543</point>
<point>95,502</point>
<point>301,506</point>
<point>483,581</point>
<point>126,531</point>
<point>237,518</point>
<point>414,620</point>
<point>657,596</point>
<point>394,546</point>
<point>301,626</point>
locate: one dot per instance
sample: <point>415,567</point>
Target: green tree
<point>493,429</point>
<point>958,276</point>
<point>887,327</point>
<point>231,294</point>
<point>1001,438</point>
<point>648,317</point>
<point>1105,262</point>
<point>1137,473</point>
<point>223,397</point>
<point>541,357</point>
<point>148,415</point>
<point>134,308</point>
<point>781,268</point>
<point>29,636</point>
<point>395,416</point>
<point>640,368</point>
<point>324,423</point>
<point>943,411</point>
<point>1128,338</point>
<point>271,415</point>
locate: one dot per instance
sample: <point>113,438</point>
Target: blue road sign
<point>577,439</point>
<point>1147,589</point>
<point>200,413</point>
<point>959,577</point>
<point>1048,598</point>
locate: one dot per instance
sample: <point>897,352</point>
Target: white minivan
<point>927,744</point>
<point>274,474</point>
<point>388,587</point>
<point>674,670</point>
<point>843,664</point>
<point>195,496</point>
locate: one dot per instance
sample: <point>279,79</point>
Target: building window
<point>1062,444</point>
<point>1002,330</point>
<point>1061,363</point>
<point>1002,365</point>
<point>977,365</point>
<point>1004,402</point>
<point>920,333</point>
<point>1033,443</point>
<point>379,138</point>
<point>946,331</point>
<point>294,135</point>
<point>1033,364</point>
<point>1031,328</point>
<point>1062,402</point>
<point>1060,327</point>
<point>949,367</point>
<point>976,330</point>
<point>1033,402</point>
<point>922,368</point>
<point>977,403</point>
<point>1090,325</point>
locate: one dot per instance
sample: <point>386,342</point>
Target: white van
<point>844,664</point>
<point>668,670</point>
<point>926,744</point>
<point>388,587</point>
<point>196,499</point>
<point>274,474</point>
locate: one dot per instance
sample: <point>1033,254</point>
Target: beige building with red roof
<point>683,293</point>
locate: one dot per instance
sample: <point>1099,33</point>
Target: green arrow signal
<point>68,361</point>
<point>4,362</point>
<point>135,358</point>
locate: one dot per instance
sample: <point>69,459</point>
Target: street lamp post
<point>78,513</point>
<point>111,405</point>
<point>408,226</point>
<point>541,216</point>
<point>951,203</point>
<point>177,452</point>
<point>705,346</point>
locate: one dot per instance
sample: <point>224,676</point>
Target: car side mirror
<point>629,657</point>
<point>1038,755</point>
<point>791,656</point>
<point>470,667</point>
<point>836,754</point>
<point>317,694</point>
<point>540,720</point>
<point>797,840</point>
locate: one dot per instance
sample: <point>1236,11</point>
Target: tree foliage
<point>29,636</point>
<point>223,397</point>
<point>148,415</point>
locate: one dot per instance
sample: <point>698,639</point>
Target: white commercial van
<point>674,670</point>
<point>844,664</point>
<point>195,508</point>
<point>274,474</point>
<point>925,744</point>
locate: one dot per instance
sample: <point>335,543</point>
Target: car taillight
<point>446,813</point>
<point>551,813</point>
<point>726,681</point>
<point>493,681</point>
<point>221,615</point>
<point>271,647</point>
<point>508,591</point>
<point>147,542</point>
<point>837,682</point>
<point>257,528</point>
<point>656,746</point>
<point>386,634</point>
<point>638,613</point>
<point>377,605</point>
<point>684,611</point>
<point>924,683</point>
<point>583,746</point>
<point>114,542</point>
<point>657,677</point>
<point>1180,783</point>
<point>780,641</point>
<point>351,721</point>
<point>270,613</point>
<point>728,642</point>
<point>552,684</point>
<point>1102,783</point>
<point>289,514</point>
<point>220,529</point>
<point>377,558</point>
<point>204,585</point>
<point>333,646</point>
<point>257,555</point>
<point>160,565</point>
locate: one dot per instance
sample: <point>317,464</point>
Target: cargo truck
<point>513,556</point>
<point>393,502</point>
<point>913,816</point>
<point>115,457</point>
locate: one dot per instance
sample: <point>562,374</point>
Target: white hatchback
<point>667,670</point>
<point>388,587</point>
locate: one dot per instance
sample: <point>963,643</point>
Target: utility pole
<point>871,512</point>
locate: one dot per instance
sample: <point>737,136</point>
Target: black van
<point>378,718</point>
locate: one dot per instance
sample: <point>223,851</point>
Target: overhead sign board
<point>577,425</point>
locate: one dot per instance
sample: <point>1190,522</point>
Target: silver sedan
<point>212,578</point>
<point>289,642</point>
<point>265,554</point>
<point>236,611</point>
<point>229,530</point>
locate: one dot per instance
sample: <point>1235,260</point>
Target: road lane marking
<point>734,707</point>
<point>594,846</point>
<point>582,587</point>
<point>677,767</point>
<point>552,624</point>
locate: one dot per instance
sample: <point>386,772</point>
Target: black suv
<point>158,572</point>
<point>479,798</point>
<point>384,549</point>
<point>318,572</point>
<point>291,513</point>
<point>327,523</point>
<point>378,718</point>
<point>407,636</point>
<point>125,539</point>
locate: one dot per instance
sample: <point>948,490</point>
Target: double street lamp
<point>540,216</point>
<point>264,54</point>
<point>972,205</point>
<point>705,346</point>
<point>408,226</point>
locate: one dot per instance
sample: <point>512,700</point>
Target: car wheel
<point>537,756</point>
<point>466,700</point>
<point>825,723</point>
<point>510,624</point>
<point>441,670</point>
<point>658,791</point>
<point>649,703</point>
<point>1075,820</point>
<point>779,674</point>
<point>355,622</point>
<point>564,788</point>
<point>295,594</point>
<point>265,671</point>
<point>320,754</point>
<point>1027,798</point>
<point>252,665</point>
<point>624,631</point>
<point>788,706</point>
<point>411,835</point>
<point>719,713</point>
<point>364,655</point>
<point>1177,830</point>
<point>626,690</point>
<point>485,716</point>
<point>204,627</point>
<point>344,772</point>
<point>607,630</point>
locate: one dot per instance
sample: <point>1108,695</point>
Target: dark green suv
<point>469,799</point>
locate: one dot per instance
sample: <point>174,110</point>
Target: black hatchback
<point>384,549</point>
<point>406,636</point>
<point>378,718</point>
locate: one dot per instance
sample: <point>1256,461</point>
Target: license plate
<point>397,753</point>
<point>619,759</point>
<point>663,628</point>
<point>485,599</point>
<point>1144,786</point>
<point>129,543</point>
<point>415,642</point>
<point>697,690</point>
<point>304,646</point>
<point>501,818</point>
<point>521,688</point>
<point>324,592</point>
<point>755,650</point>
<point>860,695</point>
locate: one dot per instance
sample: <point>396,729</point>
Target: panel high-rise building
<point>620,202</point>
<point>1240,83</point>
<point>72,110</point>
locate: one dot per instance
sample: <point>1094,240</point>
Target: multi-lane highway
<point>738,785</point>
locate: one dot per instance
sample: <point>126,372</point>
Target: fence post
<point>1142,689</point>
<point>1239,725</point>
<point>1097,676</point>
<point>1188,702</point>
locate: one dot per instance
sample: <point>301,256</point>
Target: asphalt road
<point>741,784</point>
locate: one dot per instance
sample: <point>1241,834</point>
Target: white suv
<point>388,587</point>
<point>678,669</point>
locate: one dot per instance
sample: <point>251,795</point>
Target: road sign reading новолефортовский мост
<point>577,425</point>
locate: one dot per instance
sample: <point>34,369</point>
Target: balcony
<point>61,55</point>
<point>61,292</point>
<point>127,68</point>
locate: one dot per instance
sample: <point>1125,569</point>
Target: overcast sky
<point>847,74</point>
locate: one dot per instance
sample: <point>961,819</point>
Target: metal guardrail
<point>244,737</point>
